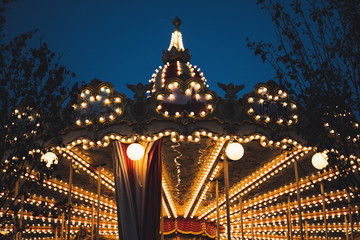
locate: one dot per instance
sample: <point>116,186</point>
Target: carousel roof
<point>196,125</point>
<point>177,62</point>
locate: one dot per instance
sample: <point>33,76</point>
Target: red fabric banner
<point>138,192</point>
<point>152,195</point>
<point>189,226</point>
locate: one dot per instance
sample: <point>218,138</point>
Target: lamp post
<point>234,151</point>
<point>289,221</point>
<point>320,161</point>
<point>62,226</point>
<point>92,220</point>
<point>97,229</point>
<point>217,210</point>
<point>98,205</point>
<point>226,179</point>
<point>298,199</point>
<point>241,218</point>
<point>70,197</point>
<point>324,209</point>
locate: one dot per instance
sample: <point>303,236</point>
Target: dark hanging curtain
<point>138,192</point>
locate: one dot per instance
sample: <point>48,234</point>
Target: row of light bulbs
<point>87,168</point>
<point>203,194</point>
<point>106,222</point>
<point>271,196</point>
<point>75,221</point>
<point>167,212</point>
<point>333,213</point>
<point>169,197</point>
<point>50,230</point>
<point>263,199</point>
<point>274,236</point>
<point>154,76</point>
<point>266,221</point>
<point>62,187</point>
<point>259,176</point>
<point>176,41</point>
<point>176,137</point>
<point>204,175</point>
<point>307,202</point>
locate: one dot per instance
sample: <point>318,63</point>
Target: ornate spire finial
<point>176,50</point>
<point>177,23</point>
<point>176,37</point>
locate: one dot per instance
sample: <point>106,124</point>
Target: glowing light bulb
<point>319,160</point>
<point>135,151</point>
<point>49,158</point>
<point>234,151</point>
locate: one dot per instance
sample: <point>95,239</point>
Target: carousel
<point>177,161</point>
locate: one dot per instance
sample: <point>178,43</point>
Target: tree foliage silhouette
<point>34,88</point>
<point>317,57</point>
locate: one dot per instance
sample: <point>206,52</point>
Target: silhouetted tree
<point>317,57</point>
<point>34,87</point>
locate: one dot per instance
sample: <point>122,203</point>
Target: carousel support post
<point>241,218</point>
<point>289,220</point>
<point>70,196</point>
<point>252,224</point>
<point>226,178</point>
<point>324,209</point>
<point>56,232</point>
<point>16,203</point>
<point>162,217</point>
<point>92,220</point>
<point>298,198</point>
<point>350,217</point>
<point>98,205</point>
<point>346,228</point>
<point>21,215</point>
<point>306,230</point>
<point>62,226</point>
<point>162,225</point>
<point>217,211</point>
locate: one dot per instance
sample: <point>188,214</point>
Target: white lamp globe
<point>234,151</point>
<point>49,158</point>
<point>319,160</point>
<point>135,151</point>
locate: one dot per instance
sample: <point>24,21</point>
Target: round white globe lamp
<point>49,158</point>
<point>234,151</point>
<point>319,160</point>
<point>135,151</point>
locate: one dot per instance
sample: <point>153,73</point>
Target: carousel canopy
<point>269,187</point>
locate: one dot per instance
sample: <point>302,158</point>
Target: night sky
<point>122,41</point>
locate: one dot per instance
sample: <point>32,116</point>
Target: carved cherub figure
<point>231,90</point>
<point>140,89</point>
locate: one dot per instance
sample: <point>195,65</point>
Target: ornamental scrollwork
<point>98,105</point>
<point>271,106</point>
<point>179,99</point>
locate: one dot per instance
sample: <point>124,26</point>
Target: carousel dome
<point>176,61</point>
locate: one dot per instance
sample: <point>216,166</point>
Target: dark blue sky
<point>122,41</point>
